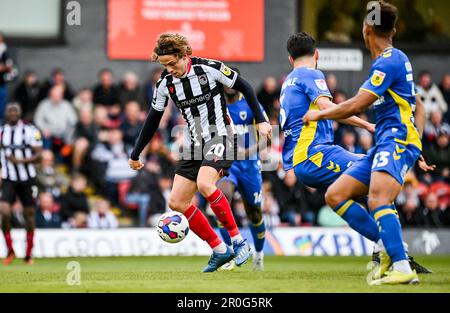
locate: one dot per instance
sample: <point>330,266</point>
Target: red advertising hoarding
<point>228,30</point>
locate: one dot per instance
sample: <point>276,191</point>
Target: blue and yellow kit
<point>397,140</point>
<point>309,148</point>
<point>246,174</point>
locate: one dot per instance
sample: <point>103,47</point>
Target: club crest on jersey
<point>243,115</point>
<point>321,84</point>
<point>377,78</point>
<point>225,70</point>
<point>203,80</point>
<point>171,89</point>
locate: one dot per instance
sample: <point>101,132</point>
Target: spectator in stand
<point>57,79</point>
<point>269,207</point>
<point>434,127</point>
<point>150,86</point>
<point>339,96</point>
<point>113,158</point>
<point>85,138</point>
<point>131,125</point>
<point>288,194</point>
<point>129,90</point>
<point>48,178</point>
<point>432,214</point>
<point>268,94</point>
<point>331,80</point>
<point>160,153</point>
<point>27,94</point>
<point>349,141</point>
<point>160,199</point>
<point>83,100</point>
<point>408,205</point>
<point>143,188</point>
<point>101,216</point>
<point>365,142</point>
<point>104,120</point>
<point>439,154</point>
<point>312,201</point>
<point>445,89</point>
<point>47,214</point>
<point>75,199</point>
<point>56,118</point>
<point>105,92</point>
<point>431,96</point>
<point>78,220</point>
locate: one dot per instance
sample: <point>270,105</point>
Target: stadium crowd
<point>84,179</point>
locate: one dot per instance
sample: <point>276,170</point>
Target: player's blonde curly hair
<point>168,43</point>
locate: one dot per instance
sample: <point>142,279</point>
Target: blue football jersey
<point>391,80</point>
<point>299,93</point>
<point>244,122</point>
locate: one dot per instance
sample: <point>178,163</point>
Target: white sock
<point>258,255</point>
<point>379,246</point>
<point>402,266</point>
<point>237,238</point>
<point>221,248</point>
<point>405,246</point>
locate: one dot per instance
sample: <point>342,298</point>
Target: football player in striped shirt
<point>196,87</point>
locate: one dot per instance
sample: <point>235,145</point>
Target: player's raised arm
<point>357,104</point>
<point>325,103</point>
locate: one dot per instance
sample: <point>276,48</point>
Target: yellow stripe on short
<point>344,208</point>
<point>384,212</point>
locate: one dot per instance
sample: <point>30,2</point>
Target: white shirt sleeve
<point>222,73</point>
<point>160,95</point>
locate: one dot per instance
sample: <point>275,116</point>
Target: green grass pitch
<point>182,274</point>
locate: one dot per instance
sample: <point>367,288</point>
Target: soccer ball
<point>172,227</point>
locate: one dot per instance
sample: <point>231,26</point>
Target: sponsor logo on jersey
<point>243,115</point>
<point>321,84</point>
<point>203,80</point>
<point>226,70</point>
<point>377,78</point>
<point>408,67</point>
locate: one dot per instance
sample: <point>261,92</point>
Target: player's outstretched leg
<point>180,200</point>
<point>383,190</point>
<point>6,229</point>
<point>338,197</point>
<point>207,178</point>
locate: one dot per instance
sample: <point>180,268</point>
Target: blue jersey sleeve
<point>315,86</point>
<point>382,75</point>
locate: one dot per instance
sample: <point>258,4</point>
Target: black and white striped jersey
<point>18,141</point>
<point>199,97</point>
